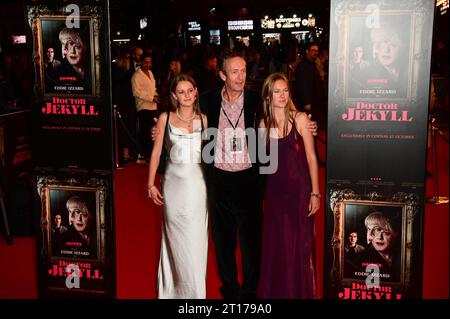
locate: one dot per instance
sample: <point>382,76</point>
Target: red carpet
<point>138,223</point>
<point>436,237</point>
<point>18,269</point>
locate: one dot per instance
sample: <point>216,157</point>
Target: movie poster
<point>379,57</point>
<point>72,147</point>
<point>380,54</point>
<point>74,241</point>
<point>67,57</point>
<point>72,110</point>
<point>374,244</point>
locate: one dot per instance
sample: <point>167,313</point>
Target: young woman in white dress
<point>184,244</point>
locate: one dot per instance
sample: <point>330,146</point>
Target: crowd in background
<point>16,80</point>
<point>202,62</point>
<point>17,74</point>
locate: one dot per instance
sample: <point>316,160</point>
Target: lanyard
<point>229,121</point>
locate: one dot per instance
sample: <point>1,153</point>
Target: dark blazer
<point>132,68</point>
<point>308,86</point>
<point>210,104</point>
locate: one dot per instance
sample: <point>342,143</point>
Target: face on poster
<point>74,216</point>
<point>380,53</point>
<point>379,56</point>
<point>67,57</point>
<point>373,237</point>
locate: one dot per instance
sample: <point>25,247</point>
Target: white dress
<point>184,244</point>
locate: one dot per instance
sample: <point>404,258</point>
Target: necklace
<point>189,121</point>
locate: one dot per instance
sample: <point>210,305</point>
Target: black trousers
<point>145,124</point>
<point>236,211</point>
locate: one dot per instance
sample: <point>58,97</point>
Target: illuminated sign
<point>240,25</point>
<point>143,23</point>
<point>194,26</point>
<point>287,23</point>
<point>214,36</point>
<point>19,39</point>
<point>443,4</point>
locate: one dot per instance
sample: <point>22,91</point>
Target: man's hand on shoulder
<point>155,130</point>
<point>312,126</point>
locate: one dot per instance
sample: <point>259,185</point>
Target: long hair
<point>173,86</point>
<point>267,100</point>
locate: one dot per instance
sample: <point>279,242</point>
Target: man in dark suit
<point>207,78</point>
<point>235,186</point>
<point>309,90</point>
<point>51,64</point>
<point>352,253</point>
<point>233,181</point>
<point>135,58</point>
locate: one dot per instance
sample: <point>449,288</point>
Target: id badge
<point>236,145</point>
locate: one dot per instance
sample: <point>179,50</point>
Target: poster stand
<point>436,199</point>
<point>7,236</point>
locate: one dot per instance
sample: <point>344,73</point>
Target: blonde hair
<point>378,218</point>
<point>76,200</point>
<point>267,100</point>
<point>66,34</point>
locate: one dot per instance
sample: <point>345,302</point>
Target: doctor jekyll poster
<point>72,140</point>
<point>74,246</point>
<point>380,54</point>
<point>72,65</point>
